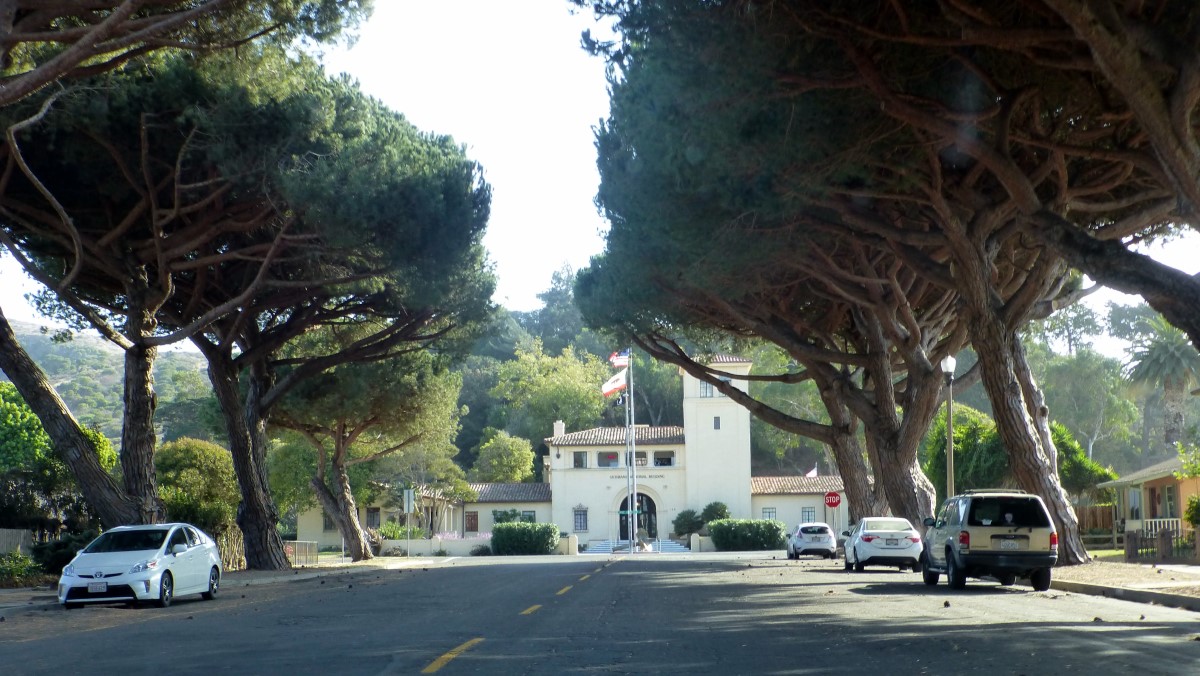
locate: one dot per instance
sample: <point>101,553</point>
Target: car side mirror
<point>929,521</point>
<point>178,549</point>
<point>845,533</point>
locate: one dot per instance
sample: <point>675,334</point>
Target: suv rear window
<point>1008,511</point>
<point>814,530</point>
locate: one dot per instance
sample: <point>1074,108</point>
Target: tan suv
<point>1002,534</point>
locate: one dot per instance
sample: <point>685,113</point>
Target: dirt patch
<point>1132,576</point>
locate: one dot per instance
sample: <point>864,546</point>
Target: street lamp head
<point>948,363</point>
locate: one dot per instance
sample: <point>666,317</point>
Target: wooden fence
<point>1094,516</point>
<point>15,540</point>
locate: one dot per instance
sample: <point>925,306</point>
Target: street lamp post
<point>948,369</point>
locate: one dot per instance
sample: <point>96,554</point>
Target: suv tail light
<point>1053,540</point>
<point>964,541</point>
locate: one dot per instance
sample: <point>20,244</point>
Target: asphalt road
<point>641,614</point>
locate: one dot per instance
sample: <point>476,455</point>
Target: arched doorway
<point>647,517</point>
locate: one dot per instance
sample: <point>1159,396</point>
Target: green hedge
<point>741,535</point>
<point>524,538</point>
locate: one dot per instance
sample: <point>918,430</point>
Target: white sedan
<point>812,538</point>
<point>883,541</point>
<point>143,563</point>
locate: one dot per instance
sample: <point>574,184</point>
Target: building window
<point>580,459</point>
<point>372,517</point>
<point>1135,503</point>
<point>1169,497</point>
<point>581,520</point>
<point>706,390</point>
<point>641,459</point>
<point>664,458</point>
<point>472,522</point>
<point>808,514</point>
<point>768,513</point>
<point>606,459</point>
<point>327,523</point>
<point>716,422</point>
<point>529,516</point>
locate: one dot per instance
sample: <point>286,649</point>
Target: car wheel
<point>1006,580</point>
<point>858,564</point>
<point>1040,579</point>
<point>916,566</point>
<point>214,583</point>
<point>956,577</point>
<point>166,590</point>
<point>848,564</point>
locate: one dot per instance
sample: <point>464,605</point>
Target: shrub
<point>394,551</point>
<point>714,511</point>
<point>1192,513</point>
<point>18,570</point>
<point>56,554</point>
<point>481,550</point>
<point>740,535</point>
<point>524,538</point>
<point>390,530</point>
<point>687,522</point>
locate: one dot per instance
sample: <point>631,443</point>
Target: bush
<point>510,539</point>
<point>687,522</point>
<point>390,530</point>
<point>1192,513</point>
<point>18,570</point>
<point>714,511</point>
<point>481,550</point>
<point>52,556</point>
<point>741,535</point>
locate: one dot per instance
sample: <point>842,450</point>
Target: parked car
<point>883,541</point>
<point>1002,534</point>
<point>143,563</point>
<point>812,538</point>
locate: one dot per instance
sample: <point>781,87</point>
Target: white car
<point>883,541</point>
<point>142,563</point>
<point>812,538</point>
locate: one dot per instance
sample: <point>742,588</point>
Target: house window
<point>1169,498</point>
<point>706,390</point>
<point>327,523</point>
<point>472,522</point>
<point>768,513</point>
<point>580,459</point>
<point>1135,503</point>
<point>581,520</point>
<point>372,517</point>
<point>529,516</point>
<point>716,422</point>
<point>664,458</point>
<point>808,514</point>
<point>606,459</point>
<point>641,459</point>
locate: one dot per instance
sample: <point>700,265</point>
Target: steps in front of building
<point>622,546</point>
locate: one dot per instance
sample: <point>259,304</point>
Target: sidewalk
<point>14,600</point>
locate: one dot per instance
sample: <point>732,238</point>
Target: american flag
<point>619,360</point>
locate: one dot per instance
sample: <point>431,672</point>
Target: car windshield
<point>887,524</point>
<point>814,530</point>
<point>127,541</point>
<point>1014,512</point>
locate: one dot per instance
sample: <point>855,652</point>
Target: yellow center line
<point>445,659</point>
<point>584,578</point>
<point>597,570</point>
<point>531,610</point>
<point>564,590</point>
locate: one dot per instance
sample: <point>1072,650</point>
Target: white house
<point>585,490</point>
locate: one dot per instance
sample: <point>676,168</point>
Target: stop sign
<point>833,499</point>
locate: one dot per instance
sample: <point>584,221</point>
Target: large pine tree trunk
<point>864,498</point>
<point>247,443</point>
<point>342,508</point>
<point>1029,462</point>
<point>112,505</point>
<point>138,439</point>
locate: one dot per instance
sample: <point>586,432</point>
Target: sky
<point>509,81</point>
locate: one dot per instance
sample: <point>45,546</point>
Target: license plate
<point>97,587</point>
<point>1008,544</point>
<point>892,542</point>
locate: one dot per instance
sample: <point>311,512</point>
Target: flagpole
<point>631,422</point>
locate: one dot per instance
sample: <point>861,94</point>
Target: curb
<point>1191,603</point>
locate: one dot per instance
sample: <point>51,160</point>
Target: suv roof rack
<point>993,490</point>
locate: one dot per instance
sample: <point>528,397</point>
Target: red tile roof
<point>794,485</point>
<point>615,436</point>
<point>539,492</point>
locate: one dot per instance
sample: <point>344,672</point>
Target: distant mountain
<point>87,371</point>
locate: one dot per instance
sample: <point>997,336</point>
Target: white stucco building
<point>584,489</point>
